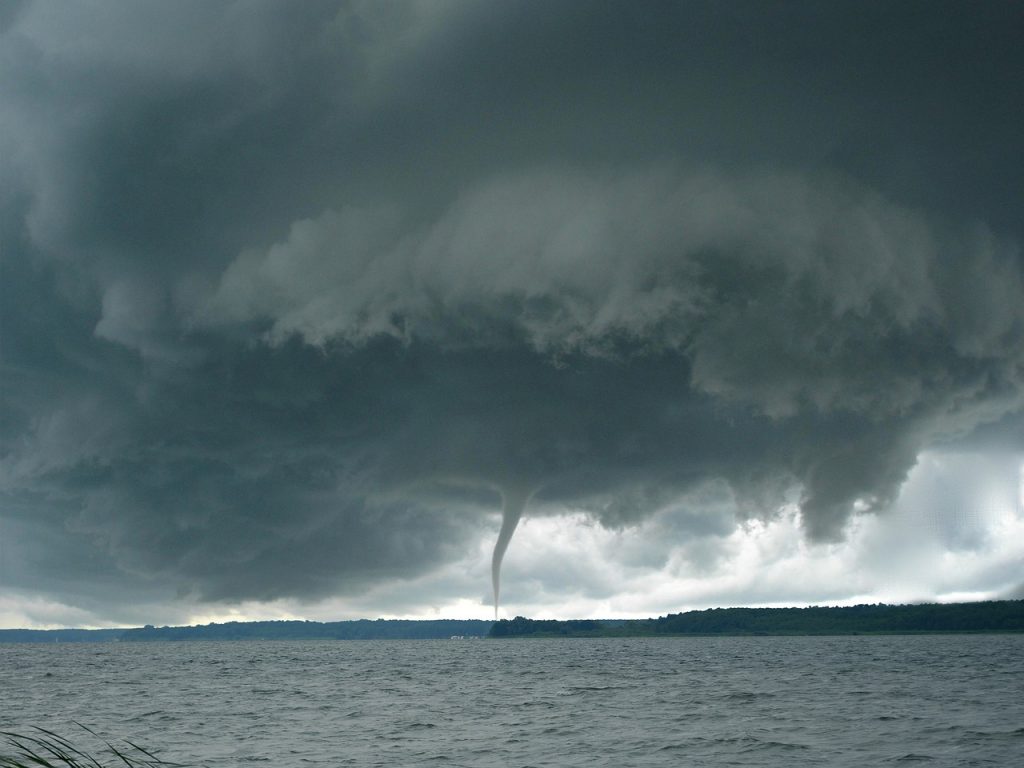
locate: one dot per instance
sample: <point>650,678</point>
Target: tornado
<point>513,502</point>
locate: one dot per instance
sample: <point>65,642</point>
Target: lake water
<point>952,700</point>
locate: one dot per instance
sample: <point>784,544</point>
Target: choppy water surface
<point>838,701</point>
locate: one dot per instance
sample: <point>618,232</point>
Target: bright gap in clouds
<point>956,533</point>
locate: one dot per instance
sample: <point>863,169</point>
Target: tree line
<point>991,616</point>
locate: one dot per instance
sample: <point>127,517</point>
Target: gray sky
<point>291,295</point>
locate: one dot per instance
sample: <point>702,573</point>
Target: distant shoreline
<point>991,617</point>
<point>1002,616</point>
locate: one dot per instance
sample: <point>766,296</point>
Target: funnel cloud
<point>725,294</point>
<point>513,503</point>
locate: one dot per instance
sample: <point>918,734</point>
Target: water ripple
<point>943,701</point>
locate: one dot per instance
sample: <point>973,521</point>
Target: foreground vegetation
<point>992,616</point>
<point>46,749</point>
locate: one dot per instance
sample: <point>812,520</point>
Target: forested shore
<point>361,629</point>
<point>991,616</point>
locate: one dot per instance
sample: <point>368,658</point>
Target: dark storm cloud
<point>290,295</point>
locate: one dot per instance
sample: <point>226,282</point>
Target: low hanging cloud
<point>293,299</point>
<point>785,299</point>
